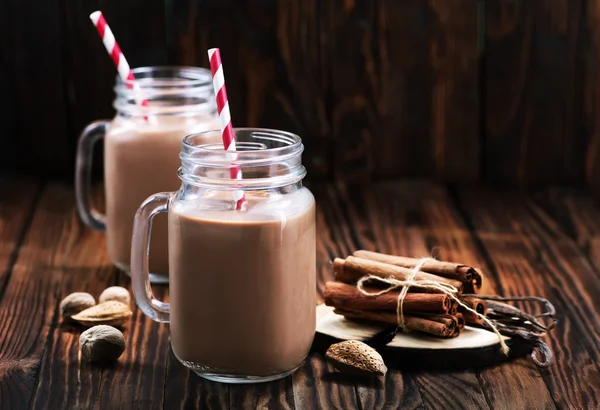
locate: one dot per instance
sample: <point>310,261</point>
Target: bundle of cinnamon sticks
<point>424,309</point>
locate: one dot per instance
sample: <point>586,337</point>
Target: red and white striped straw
<point>216,67</point>
<point>116,54</point>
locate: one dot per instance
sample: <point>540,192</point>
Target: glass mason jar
<point>242,282</point>
<point>141,153</point>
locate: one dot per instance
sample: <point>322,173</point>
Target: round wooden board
<point>474,347</point>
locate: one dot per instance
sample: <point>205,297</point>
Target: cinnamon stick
<point>448,320</point>
<point>345,296</point>
<point>389,318</point>
<point>472,319</point>
<point>478,280</point>
<point>453,307</point>
<point>351,269</point>
<point>471,277</point>
<point>456,322</point>
<point>475,285</point>
<point>460,320</point>
<point>476,304</point>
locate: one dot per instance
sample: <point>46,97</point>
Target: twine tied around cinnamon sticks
<point>405,284</point>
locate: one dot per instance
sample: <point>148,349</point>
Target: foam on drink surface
<point>261,206</point>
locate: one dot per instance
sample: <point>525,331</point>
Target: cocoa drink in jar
<point>141,154</point>
<point>242,281</point>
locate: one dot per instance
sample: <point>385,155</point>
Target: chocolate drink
<point>243,284</point>
<point>140,159</point>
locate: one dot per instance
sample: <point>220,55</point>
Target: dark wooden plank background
<point>535,61</point>
<point>501,91</point>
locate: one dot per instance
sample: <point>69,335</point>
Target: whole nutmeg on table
<point>358,358</point>
<point>110,313</point>
<point>118,293</point>
<point>101,343</point>
<point>75,303</point>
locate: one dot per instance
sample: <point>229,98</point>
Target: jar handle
<point>83,171</point>
<point>142,229</point>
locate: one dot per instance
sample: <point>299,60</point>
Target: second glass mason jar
<point>141,153</point>
<point>242,284</point>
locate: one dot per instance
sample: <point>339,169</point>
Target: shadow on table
<point>427,359</point>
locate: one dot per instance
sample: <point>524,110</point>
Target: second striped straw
<point>117,56</point>
<point>216,67</point>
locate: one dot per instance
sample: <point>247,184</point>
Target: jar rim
<point>264,157</point>
<point>188,76</point>
<point>169,90</point>
<point>216,148</point>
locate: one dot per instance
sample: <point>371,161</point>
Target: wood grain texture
<point>376,89</point>
<point>81,265</point>
<point>34,70</point>
<point>16,207</point>
<point>274,58</point>
<point>275,395</point>
<point>529,244</point>
<point>138,379</point>
<point>534,257</point>
<point>54,255</point>
<point>405,79</point>
<point>535,129</point>
<point>577,214</point>
<point>316,385</point>
<point>397,390</point>
<point>333,234</point>
<point>185,390</point>
<point>466,391</point>
<point>500,383</point>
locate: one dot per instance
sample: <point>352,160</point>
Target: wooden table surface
<point>544,242</point>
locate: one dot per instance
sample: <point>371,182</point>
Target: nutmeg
<point>117,293</point>
<point>101,343</point>
<point>75,303</point>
